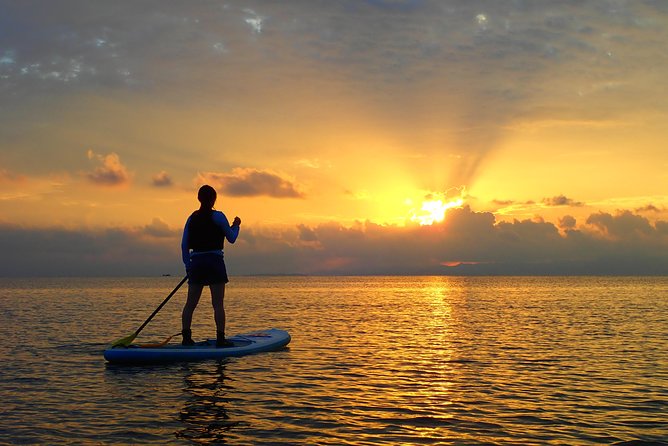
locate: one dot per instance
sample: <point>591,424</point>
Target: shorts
<point>207,269</point>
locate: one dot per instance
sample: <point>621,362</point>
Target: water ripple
<point>374,360</point>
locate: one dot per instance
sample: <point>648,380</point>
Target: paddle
<point>126,341</point>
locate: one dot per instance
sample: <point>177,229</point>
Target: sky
<point>351,137</point>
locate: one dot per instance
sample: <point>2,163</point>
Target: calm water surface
<point>373,360</point>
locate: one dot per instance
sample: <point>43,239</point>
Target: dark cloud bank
<point>467,243</point>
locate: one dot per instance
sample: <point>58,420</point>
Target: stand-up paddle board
<point>243,344</point>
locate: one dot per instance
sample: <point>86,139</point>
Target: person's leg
<point>217,297</point>
<point>194,293</point>
<point>217,300</point>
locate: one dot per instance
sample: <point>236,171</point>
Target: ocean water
<point>373,360</point>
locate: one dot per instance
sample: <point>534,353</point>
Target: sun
<point>434,210</point>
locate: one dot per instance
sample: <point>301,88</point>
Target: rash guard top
<point>205,232</point>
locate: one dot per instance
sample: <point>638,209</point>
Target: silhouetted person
<point>202,250</point>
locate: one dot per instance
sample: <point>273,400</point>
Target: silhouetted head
<point>206,196</point>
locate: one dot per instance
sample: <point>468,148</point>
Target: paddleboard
<point>244,344</point>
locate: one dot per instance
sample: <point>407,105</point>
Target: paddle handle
<point>161,305</point>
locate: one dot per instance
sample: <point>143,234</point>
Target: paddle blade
<point>124,342</point>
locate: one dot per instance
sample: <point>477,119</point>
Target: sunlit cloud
<point>435,205</point>
<point>219,47</point>
<point>567,222</point>
<point>111,172</point>
<point>623,226</point>
<point>361,194</point>
<point>254,20</point>
<point>536,123</point>
<point>17,188</point>
<point>313,163</point>
<point>499,202</point>
<point>482,21</point>
<point>162,179</point>
<point>247,182</point>
<point>11,177</point>
<point>561,200</point>
<point>433,211</point>
<point>307,234</point>
<point>649,208</point>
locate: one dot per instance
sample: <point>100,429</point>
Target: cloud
<point>623,226</point>
<point>244,182</point>
<point>466,243</point>
<point>561,200</point>
<point>503,202</point>
<point>10,177</point>
<point>567,222</point>
<point>307,234</point>
<point>254,21</point>
<point>162,179</point>
<point>104,47</point>
<point>104,252</point>
<point>313,163</point>
<point>159,228</point>
<point>649,208</point>
<point>111,173</point>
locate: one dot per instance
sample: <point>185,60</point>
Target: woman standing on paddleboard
<point>202,250</point>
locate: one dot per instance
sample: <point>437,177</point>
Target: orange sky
<point>350,114</point>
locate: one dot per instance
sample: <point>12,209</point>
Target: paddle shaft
<point>161,305</point>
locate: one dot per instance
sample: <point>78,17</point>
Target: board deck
<point>244,344</point>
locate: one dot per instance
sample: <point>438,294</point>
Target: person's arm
<point>231,231</point>
<point>185,251</point>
